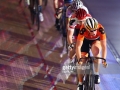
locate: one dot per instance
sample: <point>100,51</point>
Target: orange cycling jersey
<point>84,33</point>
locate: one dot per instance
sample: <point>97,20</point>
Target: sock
<point>80,83</point>
<point>96,73</point>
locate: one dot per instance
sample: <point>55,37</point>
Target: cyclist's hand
<point>80,61</point>
<point>104,63</point>
<point>71,46</point>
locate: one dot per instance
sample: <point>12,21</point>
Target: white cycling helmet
<point>91,24</point>
<point>77,4</point>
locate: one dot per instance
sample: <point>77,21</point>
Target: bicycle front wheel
<point>37,20</point>
<point>91,82</point>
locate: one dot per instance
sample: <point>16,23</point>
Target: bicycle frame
<point>89,76</point>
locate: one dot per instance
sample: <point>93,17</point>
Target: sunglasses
<point>92,30</point>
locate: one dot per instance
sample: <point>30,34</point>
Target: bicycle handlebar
<point>94,58</point>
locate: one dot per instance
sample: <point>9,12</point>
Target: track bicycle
<point>62,23</point>
<point>89,76</point>
<point>34,11</point>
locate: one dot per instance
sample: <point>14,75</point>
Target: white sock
<point>96,73</point>
<point>80,83</point>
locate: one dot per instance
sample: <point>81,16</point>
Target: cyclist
<point>64,32</point>
<point>92,35</point>
<point>31,7</point>
<point>57,6</point>
<point>75,22</point>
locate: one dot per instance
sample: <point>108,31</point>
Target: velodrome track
<point>21,61</point>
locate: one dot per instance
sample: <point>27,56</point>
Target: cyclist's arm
<point>103,41</point>
<point>67,22</point>
<point>104,48</point>
<point>72,22</point>
<point>69,36</point>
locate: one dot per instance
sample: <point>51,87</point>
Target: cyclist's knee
<point>96,48</point>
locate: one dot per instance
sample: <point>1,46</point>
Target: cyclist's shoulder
<point>101,29</point>
<point>100,25</point>
<point>82,28</point>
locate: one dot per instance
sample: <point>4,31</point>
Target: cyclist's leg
<point>84,53</point>
<point>57,4</point>
<point>40,5</point>
<point>80,72</point>
<point>96,48</point>
<point>40,10</point>
<point>58,17</point>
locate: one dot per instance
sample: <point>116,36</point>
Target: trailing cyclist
<point>31,7</point>
<point>91,36</point>
<point>61,22</point>
<point>58,6</point>
<point>76,19</point>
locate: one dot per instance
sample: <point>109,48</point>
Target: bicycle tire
<point>89,78</point>
<point>32,14</point>
<point>36,16</point>
<point>86,82</point>
<point>91,81</point>
<point>66,45</point>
